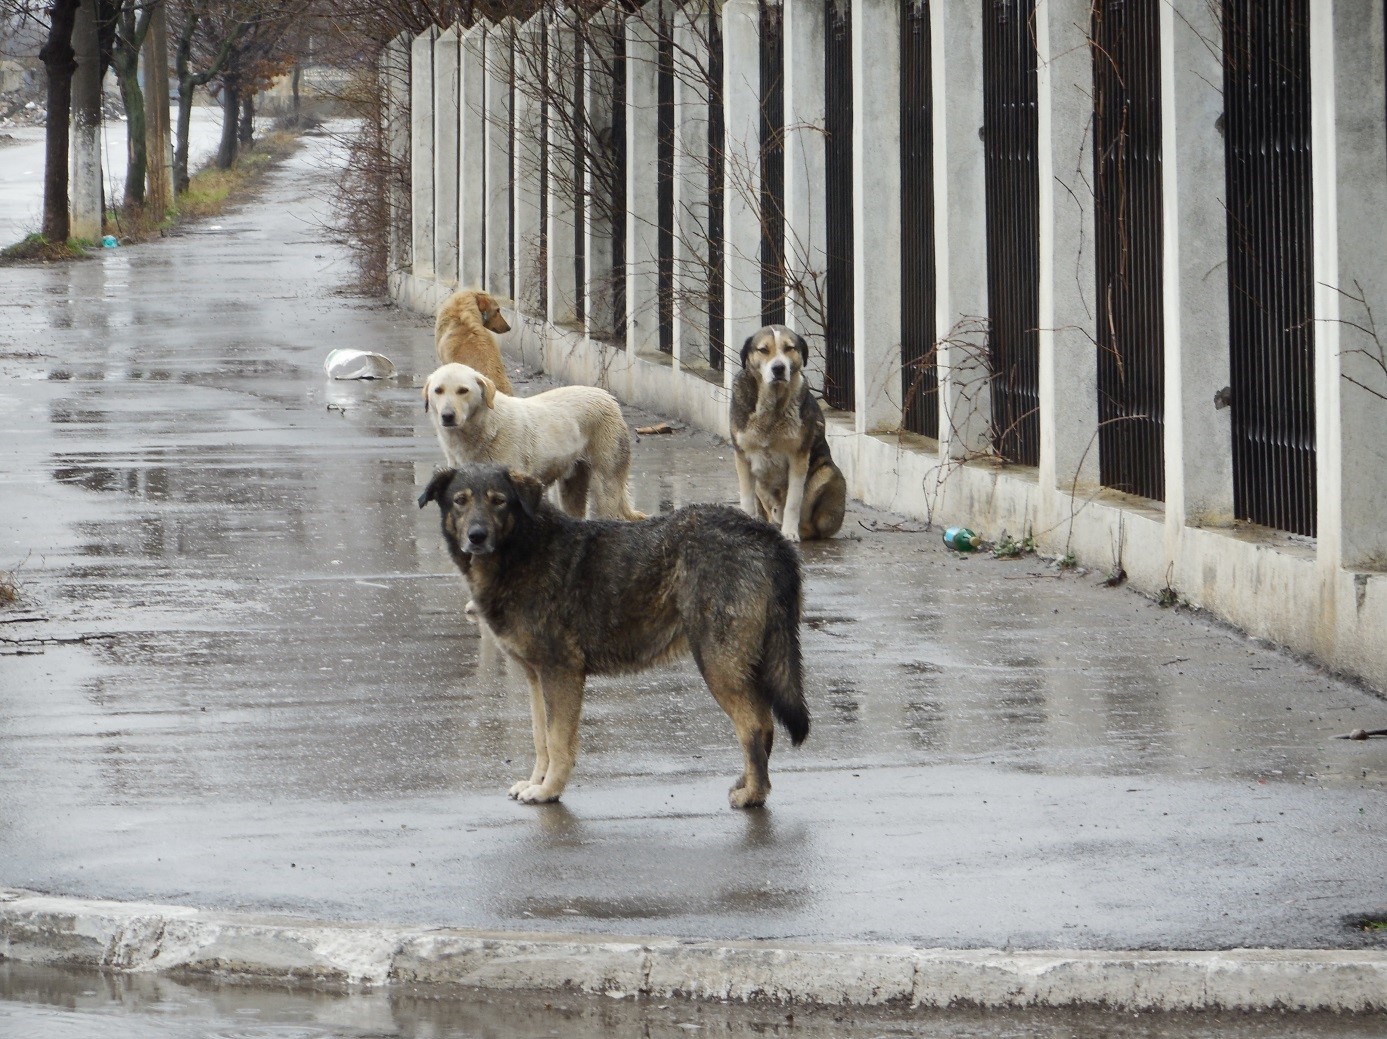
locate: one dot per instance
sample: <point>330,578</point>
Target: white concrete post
<point>1198,435</point>
<point>1350,170</point>
<point>741,35</point>
<point>472,184</point>
<point>642,191</point>
<point>421,151</point>
<point>445,155</point>
<point>496,209</point>
<point>876,226</point>
<point>691,188</point>
<point>1068,330</point>
<point>960,228</point>
<point>563,236</point>
<point>530,263</point>
<point>806,173</point>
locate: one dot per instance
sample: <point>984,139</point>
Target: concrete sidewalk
<point>240,681</point>
<point>184,941</point>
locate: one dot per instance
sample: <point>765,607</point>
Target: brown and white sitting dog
<point>462,335</point>
<point>784,469</point>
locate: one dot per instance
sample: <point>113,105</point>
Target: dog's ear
<point>746,348</point>
<point>488,391</point>
<point>802,345</point>
<point>528,491</point>
<point>426,398</point>
<point>437,487</point>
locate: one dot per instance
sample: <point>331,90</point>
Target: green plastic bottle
<point>961,539</point>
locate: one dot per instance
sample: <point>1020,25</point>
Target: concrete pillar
<point>876,226</point>
<point>960,228</point>
<point>446,99</point>
<point>1198,435</point>
<point>421,152</point>
<point>806,222</point>
<point>741,34</point>
<point>395,130</point>
<point>472,184</point>
<point>564,238</point>
<point>496,208</point>
<point>1068,279</point>
<point>642,192</point>
<point>530,266</point>
<point>1350,171</point>
<point>85,209</point>
<point>691,29</point>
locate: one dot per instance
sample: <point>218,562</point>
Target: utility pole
<point>159,164</point>
<point>85,185</point>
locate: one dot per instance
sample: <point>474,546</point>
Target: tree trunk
<point>127,66</point>
<point>158,193</point>
<point>59,63</point>
<point>245,134</point>
<point>294,82</point>
<point>181,132</point>
<point>86,203</point>
<point>231,107</point>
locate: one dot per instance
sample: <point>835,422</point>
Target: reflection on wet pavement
<point>258,689</point>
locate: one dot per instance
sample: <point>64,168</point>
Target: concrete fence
<point>545,155</point>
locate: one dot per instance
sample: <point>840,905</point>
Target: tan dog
<point>462,335</point>
<point>574,436</point>
<point>784,468</point>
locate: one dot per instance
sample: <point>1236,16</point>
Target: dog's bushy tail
<point>779,674</point>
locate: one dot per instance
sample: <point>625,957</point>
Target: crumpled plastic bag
<point>358,364</point>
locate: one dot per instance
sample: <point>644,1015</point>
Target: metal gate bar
<point>580,180</point>
<point>1266,82</point>
<point>919,371</point>
<point>717,306</point>
<point>664,185</point>
<point>772,164</point>
<point>1010,144</point>
<point>617,211</point>
<point>839,388</point>
<point>1129,240</point>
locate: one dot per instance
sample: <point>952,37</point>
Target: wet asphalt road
<point>251,686</point>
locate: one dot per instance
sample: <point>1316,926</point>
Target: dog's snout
<point>448,417</point>
<point>476,534</point>
<point>778,369</point>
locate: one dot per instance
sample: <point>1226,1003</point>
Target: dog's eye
<point>438,389</point>
<point>463,390</point>
<point>498,499</point>
<point>763,349</point>
<point>462,497</point>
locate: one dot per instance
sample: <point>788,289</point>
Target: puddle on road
<point>46,1003</point>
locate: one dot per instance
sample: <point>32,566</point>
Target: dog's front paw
<point>537,794</point>
<point>791,535</point>
<point>741,796</point>
<point>471,613</point>
<point>515,791</point>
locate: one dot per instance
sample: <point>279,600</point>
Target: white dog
<point>574,436</point>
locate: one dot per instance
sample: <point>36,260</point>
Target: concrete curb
<point>137,937</point>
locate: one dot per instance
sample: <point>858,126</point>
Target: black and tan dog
<point>784,469</point>
<point>568,598</point>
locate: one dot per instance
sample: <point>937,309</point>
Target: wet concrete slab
<point>240,677</point>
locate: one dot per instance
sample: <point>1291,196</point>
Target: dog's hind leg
<point>573,491</point>
<point>562,693</point>
<point>539,729</point>
<point>735,694</point>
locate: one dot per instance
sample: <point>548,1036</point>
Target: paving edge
<point>145,938</point>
